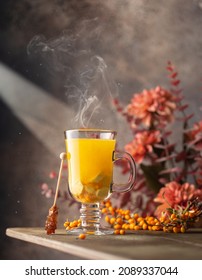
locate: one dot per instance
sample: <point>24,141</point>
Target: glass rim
<point>92,129</point>
<point>98,133</point>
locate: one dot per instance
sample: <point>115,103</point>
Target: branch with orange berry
<point>173,220</point>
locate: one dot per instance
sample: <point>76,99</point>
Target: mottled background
<point>133,40</point>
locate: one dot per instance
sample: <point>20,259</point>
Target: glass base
<point>100,231</point>
<point>90,221</point>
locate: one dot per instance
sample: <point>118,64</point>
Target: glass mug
<point>91,155</point>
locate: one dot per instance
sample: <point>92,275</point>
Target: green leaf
<point>170,210</point>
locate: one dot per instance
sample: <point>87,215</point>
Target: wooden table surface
<point>140,245</point>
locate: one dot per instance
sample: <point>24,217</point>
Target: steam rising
<point>88,86</point>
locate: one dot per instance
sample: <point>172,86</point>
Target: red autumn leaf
<point>185,119</point>
<point>176,91</point>
<point>174,75</point>
<point>175,82</point>
<point>171,170</point>
<point>139,201</point>
<point>183,107</point>
<point>165,158</point>
<point>168,147</point>
<point>179,98</point>
<point>124,198</point>
<point>181,156</point>
<point>116,103</point>
<point>139,184</point>
<point>163,181</point>
<point>170,67</point>
<point>166,133</point>
<point>192,172</point>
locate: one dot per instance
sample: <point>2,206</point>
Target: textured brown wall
<point>135,38</point>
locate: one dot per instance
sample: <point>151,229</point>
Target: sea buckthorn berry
<point>182,229</point>
<point>176,229</point>
<point>170,229</point>
<point>127,217</point>
<point>162,219</point>
<point>144,226</point>
<point>122,231</point>
<point>156,228</point>
<point>127,226</point>
<point>104,210</point>
<point>111,209</point>
<point>131,226</point>
<point>141,223</point>
<point>152,222</point>
<point>117,231</point>
<point>139,219</point>
<point>108,204</point>
<point>119,221</point>
<point>66,224</point>
<point>112,220</point>
<point>131,221</point>
<point>135,216</point>
<point>82,236</point>
<point>107,219</point>
<point>117,226</point>
<point>136,227</point>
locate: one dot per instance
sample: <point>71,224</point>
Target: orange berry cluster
<point>71,225</point>
<point>74,224</point>
<point>177,221</point>
<point>122,220</point>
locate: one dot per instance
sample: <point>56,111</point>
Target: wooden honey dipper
<point>51,221</point>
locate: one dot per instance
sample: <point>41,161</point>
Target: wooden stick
<point>63,156</point>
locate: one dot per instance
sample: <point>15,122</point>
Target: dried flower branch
<point>160,161</point>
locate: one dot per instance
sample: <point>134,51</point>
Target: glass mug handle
<point>126,187</point>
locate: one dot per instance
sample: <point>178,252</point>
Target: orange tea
<point>90,168</point>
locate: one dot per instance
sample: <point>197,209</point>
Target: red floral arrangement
<point>169,174</point>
